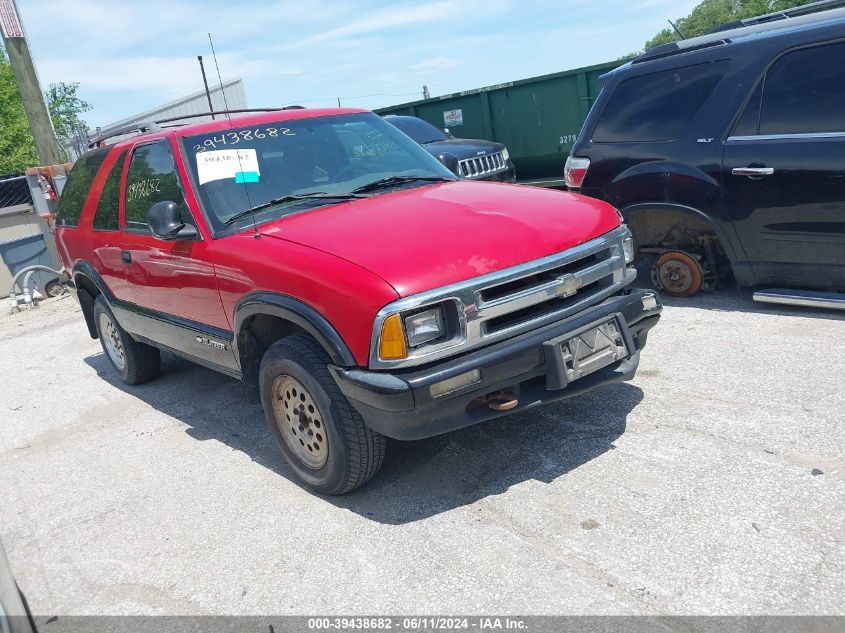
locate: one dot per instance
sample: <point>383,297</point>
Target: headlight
<point>424,327</point>
<point>506,155</point>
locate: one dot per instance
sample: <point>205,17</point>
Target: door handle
<point>753,171</point>
<point>126,256</point>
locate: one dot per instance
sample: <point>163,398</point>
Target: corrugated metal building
<point>191,104</point>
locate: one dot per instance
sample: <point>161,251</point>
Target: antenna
<point>255,232</point>
<point>677,30</point>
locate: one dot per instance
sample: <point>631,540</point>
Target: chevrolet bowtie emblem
<point>569,285</point>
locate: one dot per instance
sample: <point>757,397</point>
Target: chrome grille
<point>482,165</point>
<point>515,300</point>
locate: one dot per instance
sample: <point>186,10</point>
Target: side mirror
<point>165,222</point>
<point>450,161</point>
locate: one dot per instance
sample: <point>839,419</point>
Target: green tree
<point>65,106</point>
<point>17,148</point>
<point>712,13</point>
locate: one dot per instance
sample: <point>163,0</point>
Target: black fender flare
<point>298,313</point>
<point>727,243</point>
<point>86,300</point>
<point>84,269</point>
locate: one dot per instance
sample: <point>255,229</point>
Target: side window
<point>106,215</point>
<point>151,178</point>
<point>77,187</point>
<point>657,106</point>
<point>749,122</point>
<point>805,92</point>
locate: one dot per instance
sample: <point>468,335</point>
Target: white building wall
<point>192,104</point>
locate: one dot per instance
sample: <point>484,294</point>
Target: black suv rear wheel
<point>322,437</point>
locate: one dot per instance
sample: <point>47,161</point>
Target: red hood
<point>425,237</point>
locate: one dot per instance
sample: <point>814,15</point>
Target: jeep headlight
<point>506,155</point>
<point>424,327</point>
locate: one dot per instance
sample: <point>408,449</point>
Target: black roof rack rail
<point>815,12</point>
<point>794,12</point>
<point>156,126</point>
<point>143,127</point>
<point>224,112</point>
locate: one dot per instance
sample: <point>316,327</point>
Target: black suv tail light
<point>575,170</point>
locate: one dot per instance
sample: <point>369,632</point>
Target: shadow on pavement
<point>419,479</point>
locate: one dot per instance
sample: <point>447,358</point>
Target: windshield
<point>421,131</point>
<point>244,167</point>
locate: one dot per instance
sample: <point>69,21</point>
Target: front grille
<point>547,292</point>
<point>509,302</point>
<point>482,165</point>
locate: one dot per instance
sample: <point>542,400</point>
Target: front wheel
<point>323,438</point>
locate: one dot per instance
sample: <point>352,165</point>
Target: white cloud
<point>434,64</point>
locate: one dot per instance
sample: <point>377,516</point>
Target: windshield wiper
<point>314,195</point>
<point>391,181</point>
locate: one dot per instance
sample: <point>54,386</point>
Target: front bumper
<point>400,405</point>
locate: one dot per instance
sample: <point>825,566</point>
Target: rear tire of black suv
<point>133,362</point>
<point>323,439</point>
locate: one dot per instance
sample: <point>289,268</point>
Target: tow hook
<point>500,401</point>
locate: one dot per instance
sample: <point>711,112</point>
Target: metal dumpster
<point>538,118</point>
<point>21,252</point>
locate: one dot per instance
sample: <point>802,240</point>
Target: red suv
<point>348,278</point>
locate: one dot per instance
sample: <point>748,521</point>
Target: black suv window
<point>78,185</point>
<point>804,92</point>
<point>657,106</point>
<point>106,215</point>
<point>151,178</point>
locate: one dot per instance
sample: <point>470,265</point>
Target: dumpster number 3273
<point>568,139</point>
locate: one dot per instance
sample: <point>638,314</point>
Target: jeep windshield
<point>264,171</point>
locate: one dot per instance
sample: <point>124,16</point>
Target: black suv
<point>726,152</point>
<point>476,159</point>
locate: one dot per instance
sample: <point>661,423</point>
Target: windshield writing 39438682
<point>235,137</point>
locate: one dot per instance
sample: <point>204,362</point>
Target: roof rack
<point>146,127</point>
<point>794,12</point>
<point>142,128</point>
<point>724,34</point>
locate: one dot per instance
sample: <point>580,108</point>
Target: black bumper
<point>401,406</point>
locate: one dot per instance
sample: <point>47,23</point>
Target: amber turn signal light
<point>392,341</point>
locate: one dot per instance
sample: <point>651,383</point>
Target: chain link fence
<point>14,190</point>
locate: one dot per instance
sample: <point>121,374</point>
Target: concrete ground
<point>714,483</point>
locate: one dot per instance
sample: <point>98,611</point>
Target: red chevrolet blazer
<point>348,278</point>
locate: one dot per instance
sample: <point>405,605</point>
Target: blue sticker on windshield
<point>246,176</point>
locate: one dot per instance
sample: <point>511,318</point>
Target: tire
<point>133,362</point>
<point>678,274</point>
<point>323,439</point>
<point>54,288</point>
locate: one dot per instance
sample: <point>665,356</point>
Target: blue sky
<point>130,56</point>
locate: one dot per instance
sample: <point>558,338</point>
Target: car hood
<point>462,148</point>
<point>425,237</point>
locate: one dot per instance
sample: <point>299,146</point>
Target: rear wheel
<point>134,362</point>
<point>677,274</point>
<point>322,437</point>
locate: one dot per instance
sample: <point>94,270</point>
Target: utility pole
<point>426,95</point>
<point>205,83</point>
<point>14,40</point>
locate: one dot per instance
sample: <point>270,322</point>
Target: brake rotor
<point>677,274</point>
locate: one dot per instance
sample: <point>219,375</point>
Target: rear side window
<point>805,92</point>
<point>108,208</point>
<point>151,178</point>
<point>77,187</point>
<point>657,106</point>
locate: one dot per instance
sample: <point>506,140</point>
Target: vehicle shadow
<point>740,299</point>
<point>419,479</point>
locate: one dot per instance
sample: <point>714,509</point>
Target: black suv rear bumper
<point>401,406</point>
